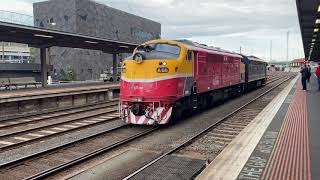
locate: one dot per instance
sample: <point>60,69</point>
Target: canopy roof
<point>309,18</point>
<point>43,38</point>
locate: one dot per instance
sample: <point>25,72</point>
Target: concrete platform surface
<point>27,94</point>
<point>280,143</point>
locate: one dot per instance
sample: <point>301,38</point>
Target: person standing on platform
<point>318,75</point>
<point>304,76</point>
<point>309,73</point>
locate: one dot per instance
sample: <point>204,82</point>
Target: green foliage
<point>68,75</point>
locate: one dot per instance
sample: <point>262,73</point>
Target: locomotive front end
<point>152,82</point>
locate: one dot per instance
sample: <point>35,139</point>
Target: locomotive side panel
<point>231,71</point>
<point>215,64</point>
<point>216,71</point>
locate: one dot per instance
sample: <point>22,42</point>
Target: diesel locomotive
<point>164,79</point>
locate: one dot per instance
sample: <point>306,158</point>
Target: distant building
<point>89,18</point>
<point>15,52</point>
<point>297,62</point>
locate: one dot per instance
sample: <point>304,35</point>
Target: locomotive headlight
<point>162,63</point>
<point>138,57</point>
<point>123,70</point>
<point>162,70</point>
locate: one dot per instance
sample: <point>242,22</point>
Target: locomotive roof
<point>254,58</point>
<point>196,45</point>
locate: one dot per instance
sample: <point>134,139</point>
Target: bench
<point>4,82</point>
<point>23,81</point>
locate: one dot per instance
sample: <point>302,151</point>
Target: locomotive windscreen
<point>160,51</point>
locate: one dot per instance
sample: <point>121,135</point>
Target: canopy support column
<point>44,69</point>
<point>115,67</point>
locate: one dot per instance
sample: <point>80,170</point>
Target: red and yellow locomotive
<point>165,78</point>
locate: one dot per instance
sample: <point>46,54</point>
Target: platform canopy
<point>309,18</point>
<point>44,38</point>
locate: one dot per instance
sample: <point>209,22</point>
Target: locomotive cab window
<point>159,51</point>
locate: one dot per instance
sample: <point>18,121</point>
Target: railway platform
<point>280,143</point>
<point>30,101</point>
<point>17,95</point>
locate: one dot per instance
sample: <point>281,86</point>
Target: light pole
<point>270,50</point>
<point>288,33</point>
<point>2,51</point>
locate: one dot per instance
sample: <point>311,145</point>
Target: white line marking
<point>82,124</point>
<point>6,143</point>
<point>35,135</point>
<point>98,119</point>
<point>48,132</point>
<point>107,117</point>
<point>26,120</point>
<point>22,138</point>
<point>70,126</point>
<point>12,122</point>
<point>59,129</point>
<point>91,121</point>
<point>114,115</point>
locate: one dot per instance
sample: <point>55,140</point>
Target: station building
<point>298,62</point>
<point>90,18</point>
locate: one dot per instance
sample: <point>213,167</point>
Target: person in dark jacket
<point>304,76</point>
<point>309,73</point>
<point>318,75</point>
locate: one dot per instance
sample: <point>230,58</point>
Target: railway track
<point>18,134</point>
<point>95,145</point>
<point>16,121</point>
<point>111,141</point>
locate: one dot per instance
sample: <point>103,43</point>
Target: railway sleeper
<point>234,125</point>
<point>230,132</point>
<point>229,128</point>
<point>228,136</point>
<point>221,139</point>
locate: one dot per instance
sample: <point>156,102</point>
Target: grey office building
<point>94,19</point>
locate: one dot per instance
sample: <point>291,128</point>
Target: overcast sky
<point>229,24</point>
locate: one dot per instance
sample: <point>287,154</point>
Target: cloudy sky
<point>229,24</point>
